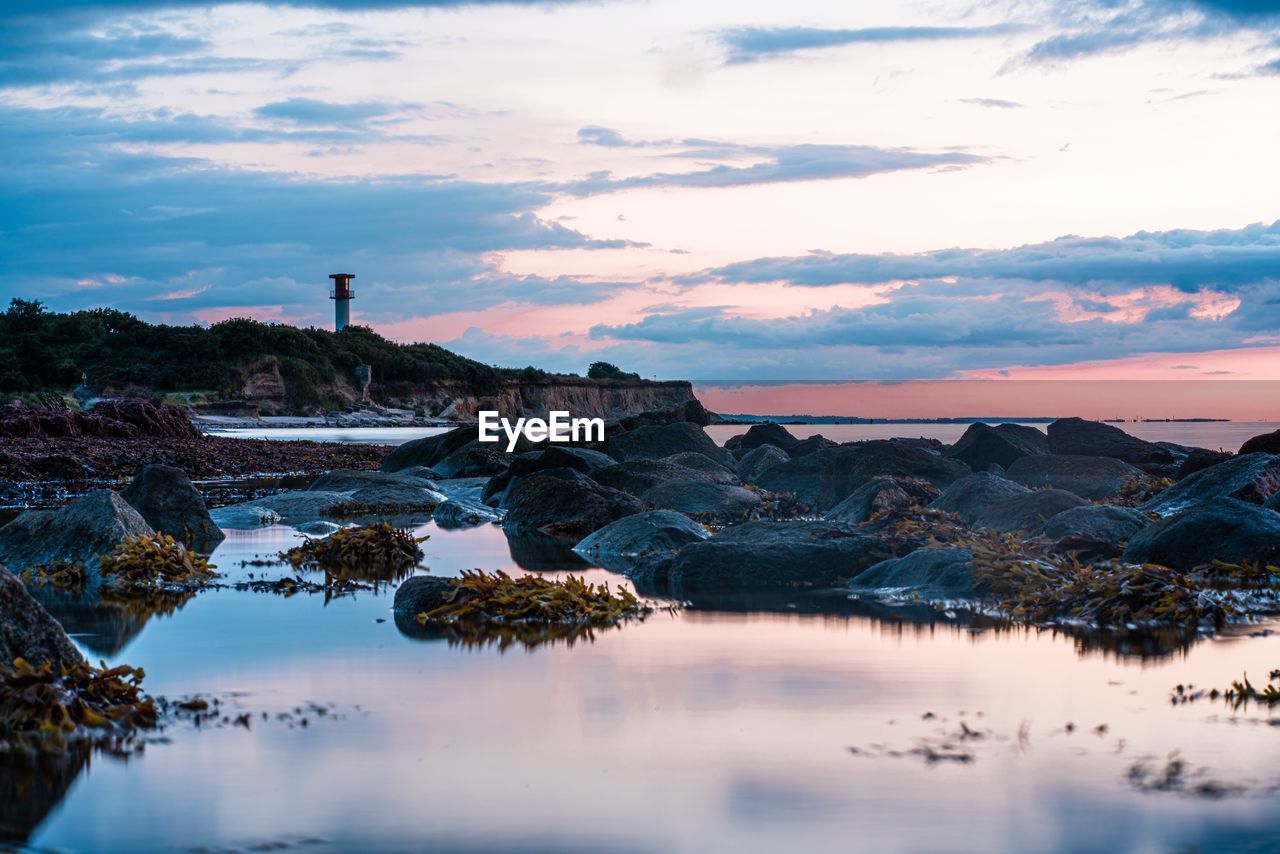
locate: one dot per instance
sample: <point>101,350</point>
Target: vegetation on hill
<point>43,351</point>
<point>609,371</point>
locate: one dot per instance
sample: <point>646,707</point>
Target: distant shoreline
<point>742,418</point>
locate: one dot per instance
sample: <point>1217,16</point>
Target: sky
<point>734,190</point>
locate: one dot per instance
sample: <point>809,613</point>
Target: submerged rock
<point>1024,512</point>
<point>81,531</point>
<point>1092,477</point>
<point>936,573</point>
<point>714,501</point>
<point>759,460</point>
<point>617,545</point>
<point>765,555</point>
<point>982,445</point>
<point>654,443</point>
<point>462,514</point>
<point>824,478</point>
<point>1253,478</point>
<point>1099,522</point>
<point>27,631</point>
<point>882,495</point>
<point>969,496</point>
<point>1224,529</point>
<point>171,505</point>
<point>578,507</point>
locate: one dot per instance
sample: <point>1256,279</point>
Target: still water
<point>809,723</point>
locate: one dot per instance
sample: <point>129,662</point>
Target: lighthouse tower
<point>342,295</point>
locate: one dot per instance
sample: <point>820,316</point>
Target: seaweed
<point>377,551</point>
<point>148,561</point>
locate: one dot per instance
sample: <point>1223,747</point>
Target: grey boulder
<point>542,503</point>
<point>618,545</point>
<point>656,442</point>
<point>27,631</point>
<point>1224,529</point>
<point>714,501</point>
<point>982,445</point>
<point>1024,512</point>
<point>935,573</point>
<point>759,460</point>
<point>969,496</point>
<point>81,531</point>
<point>882,496</point>
<point>166,498</point>
<point>1092,477</point>
<point>1253,478</point>
<point>1100,522</point>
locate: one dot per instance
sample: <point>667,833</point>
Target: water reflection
<point>30,790</point>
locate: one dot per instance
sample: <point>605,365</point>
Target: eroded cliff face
<point>609,400</point>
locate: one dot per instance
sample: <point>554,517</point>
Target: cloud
<point>309,111</point>
<point>996,103</point>
<point>607,137</point>
<point>752,44</point>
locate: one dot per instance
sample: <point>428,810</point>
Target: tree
<point>608,371</point>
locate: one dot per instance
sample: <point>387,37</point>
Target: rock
<point>582,459</point>
<point>805,447</point>
<point>969,496</point>
<point>313,529</point>
<point>617,545</point>
<point>982,445</point>
<point>396,493</point>
<point>934,573</point>
<point>716,502</point>
<point>27,631</point>
<point>690,410</point>
<point>429,450</point>
<point>459,514</point>
<point>1220,528</point>
<point>1100,522</point>
<point>1078,437</point>
<point>759,460</point>
<point>80,531</point>
<point>639,476</point>
<point>171,505</point>
<point>881,496</point>
<point>654,443</point>
<point>474,461</point>
<point>824,478</point>
<point>1267,443</point>
<point>420,594</point>
<point>768,433</point>
<point>1253,478</point>
<point>1198,459</point>
<point>1095,478</point>
<point>765,555</point>
<point>551,505</point>
<point>1024,512</point>
<point>349,480</point>
<point>713,471</point>
<point>544,553</point>
<point>289,508</point>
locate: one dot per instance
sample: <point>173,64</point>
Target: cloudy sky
<point>720,189</point>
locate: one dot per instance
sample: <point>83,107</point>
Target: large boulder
<point>932,573</point>
<point>764,555</point>
<point>81,531</point>
<point>969,496</point>
<point>171,505</point>
<point>1099,522</point>
<point>768,433</point>
<point>551,457</point>
<point>816,442</point>
<point>759,460</point>
<point>541,503</point>
<point>656,442</point>
<point>1267,443</point>
<point>396,494</point>
<point>709,468</point>
<point>690,410</point>
<point>1076,436</point>
<point>474,460</point>
<point>421,594</point>
<point>290,508</point>
<point>639,476</point>
<point>714,502</point>
<point>982,445</point>
<point>1224,529</point>
<point>1198,459</point>
<point>1251,477</point>
<point>27,631</point>
<point>429,450</point>
<point>617,545</point>
<point>883,496</point>
<point>349,480</point>
<point>824,478</point>
<point>1024,512</point>
<point>1095,478</point>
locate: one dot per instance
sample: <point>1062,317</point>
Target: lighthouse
<point>342,295</point>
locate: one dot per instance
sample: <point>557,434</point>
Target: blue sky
<point>720,190</point>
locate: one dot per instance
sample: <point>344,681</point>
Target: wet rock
<point>582,459</point>
<point>287,507</point>
<point>396,493</point>
<point>1198,459</point>
<point>1095,478</point>
<point>26,629</point>
<point>639,476</point>
<point>937,573</point>
<point>429,450</point>
<point>349,480</point>
<point>711,470</point>
<point>759,460</point>
<point>1100,522</point>
<point>1267,443</point>
<point>460,514</point>
<point>474,461</point>
<point>882,496</point>
<point>824,478</point>
<point>767,433</point>
<point>690,410</point>
<point>1252,477</point>
<point>982,445</point>
<point>618,545</point>
<point>1224,529</point>
<point>420,594</point>
<point>717,502</point>
<point>765,555</point>
<point>171,505</point>
<point>654,443</point>
<point>552,505</point>
<point>1076,436</point>
<point>80,531</point>
<point>805,447</point>
<point>969,496</point>
<point>1024,512</point>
